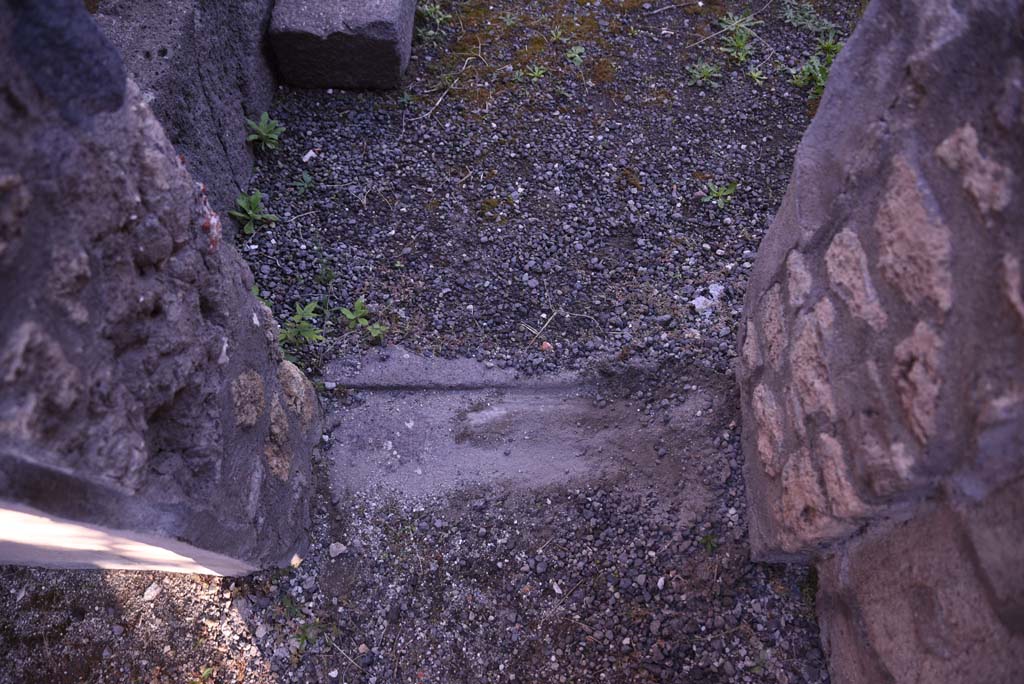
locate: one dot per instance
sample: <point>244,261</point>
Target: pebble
<point>152,591</point>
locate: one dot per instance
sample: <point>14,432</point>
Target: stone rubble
<point>881,374</point>
<point>342,43</point>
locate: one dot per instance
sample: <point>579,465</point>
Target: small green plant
<point>801,14</point>
<point>813,74</point>
<point>255,290</point>
<point>299,328</point>
<point>304,183</point>
<point>719,195</point>
<point>325,276</point>
<point>518,75</point>
<point>536,72</point>
<point>291,608</point>
<point>436,18</point>
<point>266,132</point>
<point>251,212</point>
<point>709,542</point>
<point>308,634</point>
<point>359,317</point>
<point>743,22</point>
<point>703,73</point>
<point>427,35</point>
<point>575,55</point>
<point>204,676</point>
<point>509,19</point>
<point>433,12</point>
<point>376,331</point>
<point>737,45</point>
<point>829,47</point>
<point>756,75</point>
<point>556,36</point>
<point>406,99</point>
<point>740,31</point>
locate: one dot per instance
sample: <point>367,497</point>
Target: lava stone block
<point>342,43</point>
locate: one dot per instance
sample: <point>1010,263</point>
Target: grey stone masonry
<point>144,401</point>
<point>203,68</point>
<point>882,364</point>
<point>353,44</point>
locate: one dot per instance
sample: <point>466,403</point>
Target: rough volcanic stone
<point>343,43</point>
<point>883,395</point>
<point>910,227</point>
<point>203,69</point>
<point>141,386</point>
<point>913,604</point>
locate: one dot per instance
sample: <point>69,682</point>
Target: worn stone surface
<point>988,182</point>
<point>136,369</point>
<point>203,69</point>
<point>848,272</point>
<point>247,395</point>
<point>915,605</point>
<point>915,248</point>
<point>918,379</point>
<point>800,280</point>
<point>343,43</point>
<point>881,374</point>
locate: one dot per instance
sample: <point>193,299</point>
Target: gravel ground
<point>577,195</point>
<point>538,221</point>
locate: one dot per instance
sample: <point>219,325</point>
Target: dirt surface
<point>423,428</point>
<point>634,570</point>
<point>549,233</point>
<point>573,200</point>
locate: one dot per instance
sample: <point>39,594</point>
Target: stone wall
<point>141,385</point>
<point>882,352</point>
<point>203,69</point>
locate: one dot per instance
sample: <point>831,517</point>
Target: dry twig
<point>347,657</point>
<point>438,103</point>
<point>671,7</point>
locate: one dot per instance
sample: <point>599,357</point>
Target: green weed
<point>303,184</point>
<point>737,45</point>
<point>829,47</point>
<point>255,290</point>
<point>801,14</point>
<point>299,328</point>
<point>205,675</point>
<point>308,633</point>
<point>719,195</point>
<point>266,132</point>
<point>433,12</point>
<point>535,72</point>
<point>813,74</point>
<point>359,317</point>
<point>436,19</point>
<point>250,212</point>
<point>743,22</point>
<point>703,73</point>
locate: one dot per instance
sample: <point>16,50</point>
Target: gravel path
<point>576,195</point>
<point>517,208</point>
